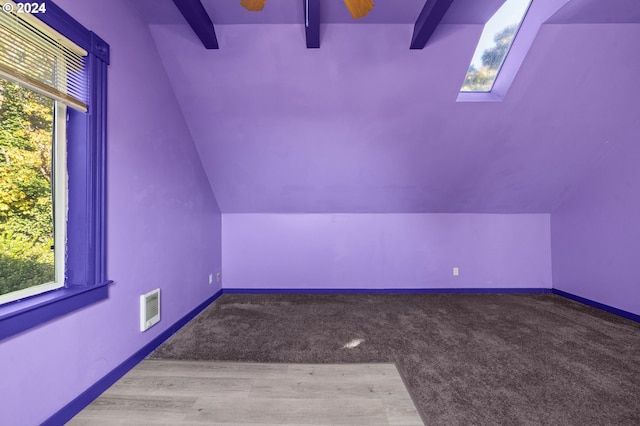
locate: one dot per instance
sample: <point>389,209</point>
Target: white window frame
<point>60,195</point>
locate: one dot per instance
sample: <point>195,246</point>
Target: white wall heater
<point>149,309</point>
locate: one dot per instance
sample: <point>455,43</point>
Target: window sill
<point>479,97</point>
<point>21,315</point>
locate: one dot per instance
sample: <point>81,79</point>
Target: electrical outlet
<point>456,271</point>
<point>210,278</point>
<point>218,277</point>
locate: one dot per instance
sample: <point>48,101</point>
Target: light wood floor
<point>221,393</point>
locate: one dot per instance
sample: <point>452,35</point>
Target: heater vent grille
<point>149,309</point>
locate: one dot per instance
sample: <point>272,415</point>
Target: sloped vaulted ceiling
<point>364,124</point>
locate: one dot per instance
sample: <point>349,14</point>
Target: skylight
<point>494,45</point>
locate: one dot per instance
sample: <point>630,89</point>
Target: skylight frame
<point>464,95</point>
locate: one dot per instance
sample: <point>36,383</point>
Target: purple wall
<point>598,12</point>
<point>163,230</point>
<point>365,125</point>
<point>595,232</point>
<point>385,250</point>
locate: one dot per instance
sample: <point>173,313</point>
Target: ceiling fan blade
<point>253,5</point>
<point>359,8</point>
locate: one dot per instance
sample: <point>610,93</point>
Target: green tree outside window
<point>26,206</point>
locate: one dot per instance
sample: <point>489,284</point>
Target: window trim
<point>85,266</point>
<point>61,192</point>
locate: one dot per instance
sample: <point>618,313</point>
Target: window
<point>32,192</point>
<point>493,47</point>
<point>53,75</point>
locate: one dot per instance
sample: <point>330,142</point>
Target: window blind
<point>36,56</point>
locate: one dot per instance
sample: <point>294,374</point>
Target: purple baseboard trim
<point>88,396</point>
<point>598,305</point>
<point>385,290</point>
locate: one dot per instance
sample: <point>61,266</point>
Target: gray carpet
<point>467,359</point>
